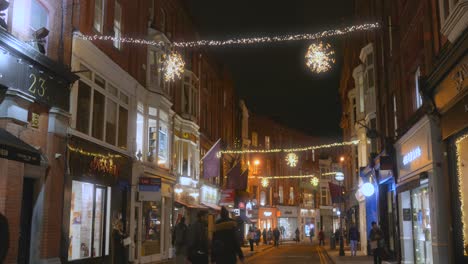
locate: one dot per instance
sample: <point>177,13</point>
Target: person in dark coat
<point>264,234</point>
<point>118,237</point>
<point>180,241</point>
<point>225,246</point>
<point>376,237</point>
<point>4,237</point>
<point>297,235</point>
<point>197,250</point>
<point>257,236</point>
<point>251,238</point>
<point>276,236</point>
<point>353,238</point>
<point>321,236</point>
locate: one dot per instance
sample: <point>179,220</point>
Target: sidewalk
<point>361,258</point>
<point>260,248</point>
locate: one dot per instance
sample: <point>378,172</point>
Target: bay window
<point>152,135</point>
<point>102,109</point>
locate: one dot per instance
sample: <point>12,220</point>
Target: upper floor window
<point>395,115</point>
<point>354,110</point>
<point>267,142</point>
<point>281,194</point>
<point>361,93</point>
<point>417,92</point>
<point>102,110</point>
<point>324,196</point>
<point>155,76</point>
<point>369,75</point>
<point>190,94</point>
<point>117,24</point>
<point>39,16</point>
<point>162,21</point>
<point>98,22</point>
<point>291,195</point>
<point>254,139</point>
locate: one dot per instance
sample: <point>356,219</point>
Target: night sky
<point>273,78</point>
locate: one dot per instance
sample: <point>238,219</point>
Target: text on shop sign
<point>412,155</point>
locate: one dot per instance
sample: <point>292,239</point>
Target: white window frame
<point>395,115</point>
<point>418,97</point>
<point>322,196</point>
<point>281,194</point>
<point>90,81</point>
<point>454,24</point>
<point>117,24</point>
<point>190,85</point>
<point>254,139</point>
<point>267,142</point>
<point>99,11</point>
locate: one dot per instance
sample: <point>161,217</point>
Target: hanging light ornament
<point>265,182</point>
<point>314,181</point>
<point>292,159</point>
<point>172,66</point>
<point>319,57</point>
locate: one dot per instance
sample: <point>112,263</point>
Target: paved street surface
<point>291,253</point>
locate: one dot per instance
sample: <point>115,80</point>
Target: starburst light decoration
<point>172,66</point>
<point>314,181</point>
<point>291,159</point>
<point>265,182</point>
<point>319,57</point>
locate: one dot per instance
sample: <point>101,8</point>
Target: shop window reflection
<point>151,230</point>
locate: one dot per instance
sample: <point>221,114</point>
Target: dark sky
<point>273,78</point>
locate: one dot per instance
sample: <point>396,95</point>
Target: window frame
<point>417,93</point>
<point>117,24</point>
<point>102,16</point>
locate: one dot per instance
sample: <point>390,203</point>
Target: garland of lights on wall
<point>287,150</point>
<point>460,165</point>
<point>93,154</point>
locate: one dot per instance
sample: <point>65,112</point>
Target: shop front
<point>308,223</point>
<point>267,218</point>
<point>288,221</point>
<point>420,189</point>
<point>97,203</point>
<point>209,197</point>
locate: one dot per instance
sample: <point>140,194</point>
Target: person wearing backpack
<point>180,241</point>
<point>225,246</point>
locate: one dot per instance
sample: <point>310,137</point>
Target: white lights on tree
<point>172,66</point>
<point>314,181</point>
<point>265,182</point>
<point>291,159</point>
<point>367,189</point>
<point>319,57</point>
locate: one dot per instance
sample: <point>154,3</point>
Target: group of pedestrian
<point>191,242</point>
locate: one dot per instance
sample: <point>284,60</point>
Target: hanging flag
<point>234,175</point>
<point>336,192</point>
<point>211,161</point>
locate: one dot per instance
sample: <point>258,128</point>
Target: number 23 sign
<point>38,85</point>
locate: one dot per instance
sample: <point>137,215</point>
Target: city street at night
<point>210,131</point>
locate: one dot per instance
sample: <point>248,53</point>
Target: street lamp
<point>339,176</point>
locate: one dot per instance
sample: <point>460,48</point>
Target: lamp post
<point>339,176</point>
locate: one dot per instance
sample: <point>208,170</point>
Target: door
<point>27,205</point>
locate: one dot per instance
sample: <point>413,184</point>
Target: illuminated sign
<point>412,155</point>
<point>267,214</point>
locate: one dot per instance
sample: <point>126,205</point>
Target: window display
<point>421,225</point>
<point>287,227</point>
<point>151,228</point>
<point>89,221</point>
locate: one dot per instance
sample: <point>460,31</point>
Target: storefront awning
<point>13,148</point>
<point>212,206</point>
<point>194,206</point>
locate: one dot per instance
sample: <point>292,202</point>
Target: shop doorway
<point>27,206</point>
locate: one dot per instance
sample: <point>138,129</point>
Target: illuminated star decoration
<point>319,57</point>
<point>172,66</point>
<point>291,159</point>
<point>265,182</point>
<point>314,181</point>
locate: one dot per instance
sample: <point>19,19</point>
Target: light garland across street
<point>287,150</point>
<point>239,41</point>
<point>286,177</point>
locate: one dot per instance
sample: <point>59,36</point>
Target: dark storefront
<point>97,201</point>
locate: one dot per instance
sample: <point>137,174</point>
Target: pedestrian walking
<point>225,246</point>
<point>197,250</point>
<point>297,235</point>
<point>118,236</point>
<point>180,241</point>
<point>269,235</point>
<point>376,238</point>
<point>353,238</point>
<point>251,238</point>
<point>276,236</point>
<point>321,236</point>
<point>4,237</point>
<point>257,236</point>
<point>264,234</point>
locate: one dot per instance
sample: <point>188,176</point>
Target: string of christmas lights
<point>460,184</point>
<point>239,41</point>
<point>93,154</point>
<point>287,177</point>
<point>325,146</point>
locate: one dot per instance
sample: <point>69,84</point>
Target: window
<point>417,92</point>
<point>395,115</point>
<point>38,16</point>
<point>89,221</point>
<point>162,16</point>
<point>291,195</point>
<point>254,139</point>
<point>361,93</point>
<point>281,194</point>
<point>324,196</point>
<point>262,198</point>
<point>117,24</point>
<point>369,75</point>
<point>190,94</point>
<point>267,142</point>
<point>354,111</point>
<point>102,110</point>
<point>151,228</point>
<point>373,126</point>
<point>98,15</point>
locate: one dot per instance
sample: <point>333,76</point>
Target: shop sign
<point>209,195</point>
<point>20,74</point>
<point>236,212</point>
<point>104,165</point>
<point>227,197</point>
<point>412,155</point>
<point>406,214</point>
<point>266,212</point>
<point>288,211</point>
<point>149,189</point>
